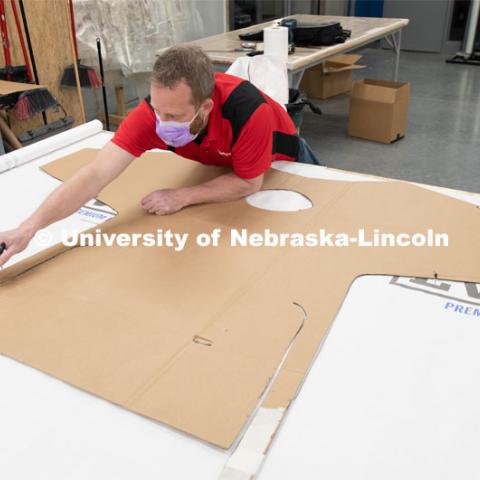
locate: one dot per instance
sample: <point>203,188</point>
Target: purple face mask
<point>176,134</point>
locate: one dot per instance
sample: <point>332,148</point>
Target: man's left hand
<point>165,201</point>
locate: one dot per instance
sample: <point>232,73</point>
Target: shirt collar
<point>198,140</point>
<point>213,123</point>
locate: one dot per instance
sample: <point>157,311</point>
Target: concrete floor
<point>442,144</point>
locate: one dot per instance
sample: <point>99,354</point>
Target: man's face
<point>174,104</point>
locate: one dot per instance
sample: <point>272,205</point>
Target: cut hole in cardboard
<point>202,341</point>
<point>279,200</point>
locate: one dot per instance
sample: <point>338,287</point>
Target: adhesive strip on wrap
<point>121,322</point>
<point>48,145</point>
<point>248,457</point>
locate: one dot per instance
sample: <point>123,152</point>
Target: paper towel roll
<point>50,144</point>
<point>275,42</point>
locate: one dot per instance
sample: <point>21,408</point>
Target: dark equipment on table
<point>307,34</point>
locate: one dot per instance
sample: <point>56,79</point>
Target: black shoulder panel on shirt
<point>147,99</point>
<point>240,106</point>
<point>286,144</point>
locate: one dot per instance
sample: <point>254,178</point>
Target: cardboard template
<point>191,338</point>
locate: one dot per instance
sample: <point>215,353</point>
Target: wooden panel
<point>49,32</point>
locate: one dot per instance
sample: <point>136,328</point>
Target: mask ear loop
<point>192,120</point>
<point>196,113</point>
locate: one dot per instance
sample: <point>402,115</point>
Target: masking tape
<point>248,457</point>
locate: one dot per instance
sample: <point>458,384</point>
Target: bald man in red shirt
<point>215,119</point>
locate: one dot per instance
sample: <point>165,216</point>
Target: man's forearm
<point>63,201</point>
<point>67,198</point>
<point>223,188</point>
<point>80,188</point>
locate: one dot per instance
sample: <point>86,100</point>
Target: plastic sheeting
<point>268,74</point>
<point>132,30</point>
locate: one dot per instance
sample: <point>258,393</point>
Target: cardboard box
<point>378,110</point>
<point>330,78</point>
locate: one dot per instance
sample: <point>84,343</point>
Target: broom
<point>87,75</point>
<point>30,49</point>
<point>9,72</point>
<point>29,102</point>
<point>32,102</point>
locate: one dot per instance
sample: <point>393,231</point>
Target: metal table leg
<point>394,40</point>
<point>294,78</point>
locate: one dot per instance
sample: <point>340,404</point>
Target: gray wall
<point>335,7</point>
<point>327,7</point>
<point>429,22</point>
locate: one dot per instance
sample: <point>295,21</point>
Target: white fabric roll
<point>50,144</point>
<point>275,42</point>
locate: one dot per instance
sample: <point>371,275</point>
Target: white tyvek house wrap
<point>132,30</point>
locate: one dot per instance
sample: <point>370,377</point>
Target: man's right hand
<point>16,240</point>
<point>110,161</point>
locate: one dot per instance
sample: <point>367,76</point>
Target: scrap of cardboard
<point>192,338</point>
<point>7,87</point>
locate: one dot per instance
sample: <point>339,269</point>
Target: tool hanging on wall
<point>9,72</point>
<point>30,50</point>
<point>32,101</point>
<point>21,98</point>
<point>88,76</point>
<point>75,64</point>
<point>104,91</point>
<point>22,41</point>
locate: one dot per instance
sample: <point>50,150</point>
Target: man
<point>215,119</point>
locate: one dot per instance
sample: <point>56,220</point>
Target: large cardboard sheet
<point>191,338</point>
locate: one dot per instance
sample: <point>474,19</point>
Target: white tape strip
<point>248,457</point>
<point>44,147</point>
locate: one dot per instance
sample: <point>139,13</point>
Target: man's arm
<point>68,197</point>
<point>223,188</point>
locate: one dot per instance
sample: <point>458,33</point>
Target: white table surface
<point>393,393</point>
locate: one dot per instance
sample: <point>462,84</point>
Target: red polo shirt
<point>246,129</point>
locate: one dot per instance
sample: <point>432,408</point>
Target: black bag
<point>307,34</point>
<point>319,34</point>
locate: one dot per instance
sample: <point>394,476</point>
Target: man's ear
<point>200,122</point>
<point>208,105</point>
